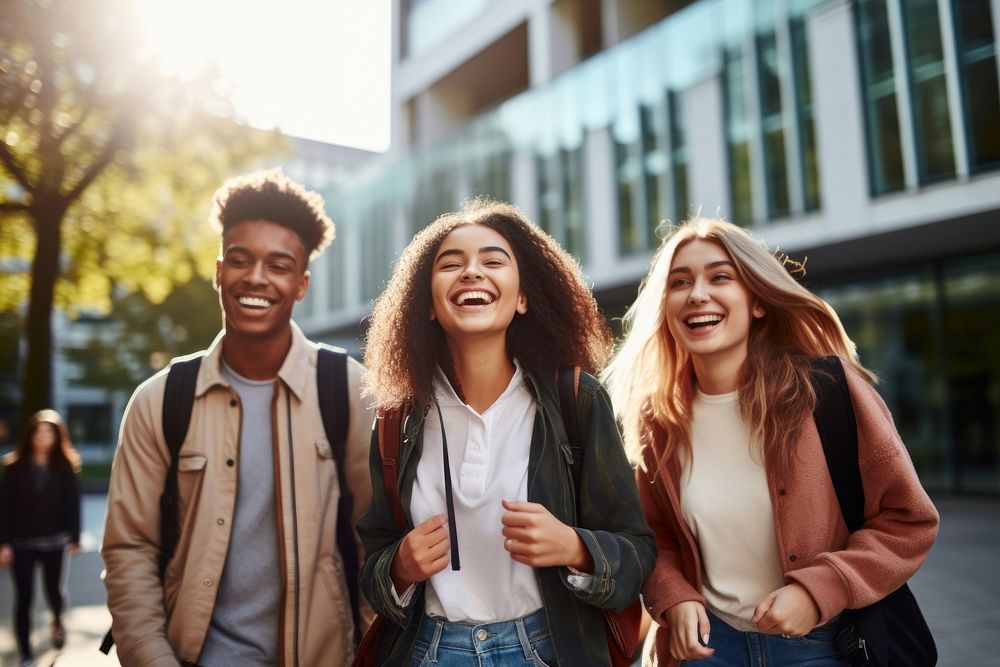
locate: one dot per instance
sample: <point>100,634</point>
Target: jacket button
<point>781,492</point>
<point>232,402</point>
<point>220,521</point>
<point>207,582</point>
<point>793,558</point>
<point>230,462</point>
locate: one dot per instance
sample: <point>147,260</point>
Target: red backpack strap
<point>390,427</point>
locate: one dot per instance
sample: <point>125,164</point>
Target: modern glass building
<point>863,135</point>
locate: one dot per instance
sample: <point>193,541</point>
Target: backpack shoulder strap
<point>335,411</point>
<point>838,431</point>
<point>390,427</point>
<point>178,401</point>
<point>334,406</point>
<point>569,387</point>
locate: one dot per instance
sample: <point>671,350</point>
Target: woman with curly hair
<point>39,519</point>
<point>502,560</point>
<point>714,387</point>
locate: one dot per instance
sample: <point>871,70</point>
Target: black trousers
<point>25,561</point>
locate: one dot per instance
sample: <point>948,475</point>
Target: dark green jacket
<point>611,524</point>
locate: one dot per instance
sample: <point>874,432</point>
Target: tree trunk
<point>37,379</point>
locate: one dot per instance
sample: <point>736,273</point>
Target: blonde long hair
<point>651,379</point>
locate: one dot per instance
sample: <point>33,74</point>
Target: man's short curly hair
<point>272,196</point>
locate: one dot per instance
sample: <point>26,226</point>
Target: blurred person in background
<point>713,384</point>
<point>39,520</point>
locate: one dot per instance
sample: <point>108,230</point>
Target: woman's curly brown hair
<point>562,327</point>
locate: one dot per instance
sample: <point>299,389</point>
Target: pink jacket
<point>839,569</point>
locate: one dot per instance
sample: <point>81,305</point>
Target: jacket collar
<point>543,390</point>
<point>291,371</point>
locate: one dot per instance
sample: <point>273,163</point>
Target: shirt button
<point>781,492</point>
<point>230,462</point>
<point>207,582</point>
<point>220,521</point>
<point>481,635</point>
<point>232,402</point>
<point>793,558</point>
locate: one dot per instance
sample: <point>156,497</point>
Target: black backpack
<point>891,631</point>
<point>334,408</point>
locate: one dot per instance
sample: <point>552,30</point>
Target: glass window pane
<point>804,115</point>
<point>769,74</point>
<point>972,295</point>
<point>982,102</point>
<point>894,323</point>
<point>931,117</point>
<point>978,69</point>
<point>654,165</point>
<point>738,139</point>
<point>678,156</point>
<point>626,170</point>
<point>878,78</point>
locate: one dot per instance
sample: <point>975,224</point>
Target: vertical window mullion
<point>901,77</point>
<point>953,83</point>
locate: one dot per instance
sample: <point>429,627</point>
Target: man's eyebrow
<point>710,265</point>
<point>274,254</point>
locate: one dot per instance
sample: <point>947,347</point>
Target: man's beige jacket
<point>164,622</point>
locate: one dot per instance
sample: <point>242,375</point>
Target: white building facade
<point>864,135</point>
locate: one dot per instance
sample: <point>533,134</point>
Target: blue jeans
<point>734,648</point>
<point>523,641</point>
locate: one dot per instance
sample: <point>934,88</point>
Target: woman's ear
<point>522,303</point>
<point>758,311</point>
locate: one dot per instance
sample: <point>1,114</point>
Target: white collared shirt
<point>488,455</point>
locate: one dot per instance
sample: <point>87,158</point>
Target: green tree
<point>107,166</point>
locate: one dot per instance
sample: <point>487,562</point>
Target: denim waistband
<point>480,636</point>
<point>746,625</point>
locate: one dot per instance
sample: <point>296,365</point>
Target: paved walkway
<point>958,589</point>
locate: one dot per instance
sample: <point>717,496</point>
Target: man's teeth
<point>475,295</point>
<point>703,319</point>
<point>254,302</point>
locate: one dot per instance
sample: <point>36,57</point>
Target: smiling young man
<point>256,577</point>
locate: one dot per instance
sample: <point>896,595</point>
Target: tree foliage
<point>107,166</point>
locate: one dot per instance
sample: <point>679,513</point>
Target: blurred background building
<point>862,135</point>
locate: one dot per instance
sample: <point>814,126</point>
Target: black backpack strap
<point>838,431</point>
<point>334,409</point>
<point>568,384</point>
<point>178,401</point>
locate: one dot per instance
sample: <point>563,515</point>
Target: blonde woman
<point>713,387</point>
